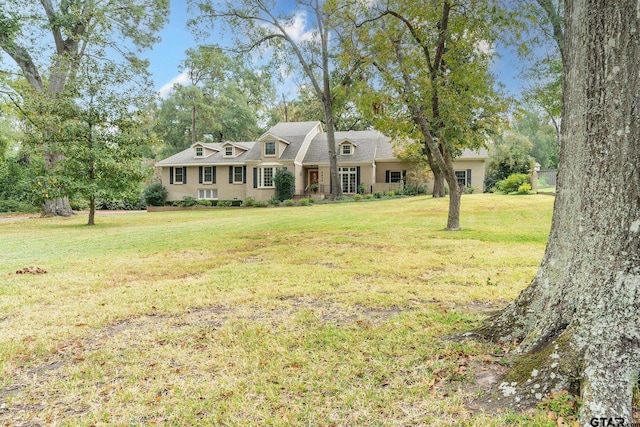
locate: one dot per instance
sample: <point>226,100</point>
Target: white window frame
<point>199,151</point>
<point>204,175</point>
<point>261,176</point>
<point>228,151</point>
<point>461,177</point>
<point>266,154</point>
<point>207,194</point>
<point>350,184</point>
<point>235,175</point>
<point>346,145</point>
<point>395,176</point>
<point>175,175</point>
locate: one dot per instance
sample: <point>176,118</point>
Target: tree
<point>47,41</point>
<point>578,321</point>
<point>542,135</point>
<point>508,155</point>
<point>435,60</point>
<point>97,132</point>
<point>224,100</point>
<point>264,27</point>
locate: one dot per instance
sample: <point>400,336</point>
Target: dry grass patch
<point>322,315</point>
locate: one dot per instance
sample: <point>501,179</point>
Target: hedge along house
<point>237,170</point>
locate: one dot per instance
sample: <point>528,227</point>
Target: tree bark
<point>578,321</point>
<point>438,176</point>
<point>92,210</point>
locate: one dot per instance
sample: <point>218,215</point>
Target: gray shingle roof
<point>294,134</point>
<point>365,151</point>
<point>186,157</point>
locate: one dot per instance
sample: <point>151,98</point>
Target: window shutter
<point>200,175</point>
<point>404,175</point>
<point>184,175</point>
<point>213,174</point>
<point>171,175</point>
<point>230,174</point>
<point>244,174</point>
<point>255,177</point>
<point>468,177</point>
<point>387,177</point>
<point>358,176</point>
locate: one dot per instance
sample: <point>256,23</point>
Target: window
<point>228,151</point>
<point>207,175</point>
<point>199,151</point>
<point>238,175</point>
<point>395,176</point>
<point>461,177</point>
<point>266,177</point>
<point>347,149</point>
<point>270,148</point>
<point>207,194</point>
<point>178,175</point>
<point>348,178</point>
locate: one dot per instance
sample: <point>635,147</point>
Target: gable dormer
<point>201,150</point>
<point>230,149</point>
<point>272,145</point>
<point>347,147</point>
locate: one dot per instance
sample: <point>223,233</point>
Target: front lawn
<point>318,315</point>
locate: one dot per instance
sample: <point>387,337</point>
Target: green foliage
<point>542,135</point>
<point>248,202</point>
<point>128,202</point>
<point>17,181</point>
<point>378,195</point>
<point>304,202</point>
<point>17,206</point>
<point>357,197</point>
<point>289,202</point>
<point>509,155</point>
<point>204,203</point>
<point>562,404</point>
<point>260,204</point>
<point>369,196</point>
<point>274,201</point>
<point>188,201</point>
<point>390,193</point>
<point>284,182</point>
<point>225,203</point>
<point>524,188</point>
<point>512,183</point>
<point>155,194</point>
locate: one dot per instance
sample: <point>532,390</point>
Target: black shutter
<point>199,174</point>
<point>358,176</point>
<point>468,177</point>
<point>213,174</point>
<point>244,174</point>
<point>171,175</point>
<point>184,175</point>
<point>387,177</point>
<point>230,174</point>
<point>255,177</point>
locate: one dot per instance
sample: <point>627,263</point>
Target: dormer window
<point>199,151</point>
<point>228,151</point>
<point>270,148</point>
<point>347,149</point>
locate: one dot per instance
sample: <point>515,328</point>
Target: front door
<point>313,177</point>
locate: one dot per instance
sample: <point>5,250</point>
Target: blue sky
<point>166,56</point>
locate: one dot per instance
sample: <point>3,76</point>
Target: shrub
<point>284,182</point>
<point>204,203</point>
<point>17,206</point>
<point>225,203</point>
<point>248,202</point>
<point>469,190</point>
<point>289,202</point>
<point>357,197</point>
<point>304,202</point>
<point>512,182</point>
<point>378,195</point>
<point>129,202</point>
<point>188,201</point>
<point>260,204</point>
<point>391,193</point>
<point>78,204</point>
<point>369,196</point>
<point>361,189</point>
<point>274,201</point>
<point>524,188</point>
<point>155,194</point>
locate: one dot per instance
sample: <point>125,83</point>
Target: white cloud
<point>167,89</point>
<point>297,29</point>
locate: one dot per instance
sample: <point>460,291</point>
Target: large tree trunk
<point>92,210</point>
<point>438,176</point>
<point>578,321</point>
<point>59,206</point>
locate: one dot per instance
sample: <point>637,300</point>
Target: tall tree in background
<point>578,321</point>
<point>259,22</point>
<point>224,100</point>
<point>433,60</point>
<point>48,39</point>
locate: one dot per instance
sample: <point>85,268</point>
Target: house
<point>238,170</point>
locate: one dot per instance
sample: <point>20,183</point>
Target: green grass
<point>320,315</point>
